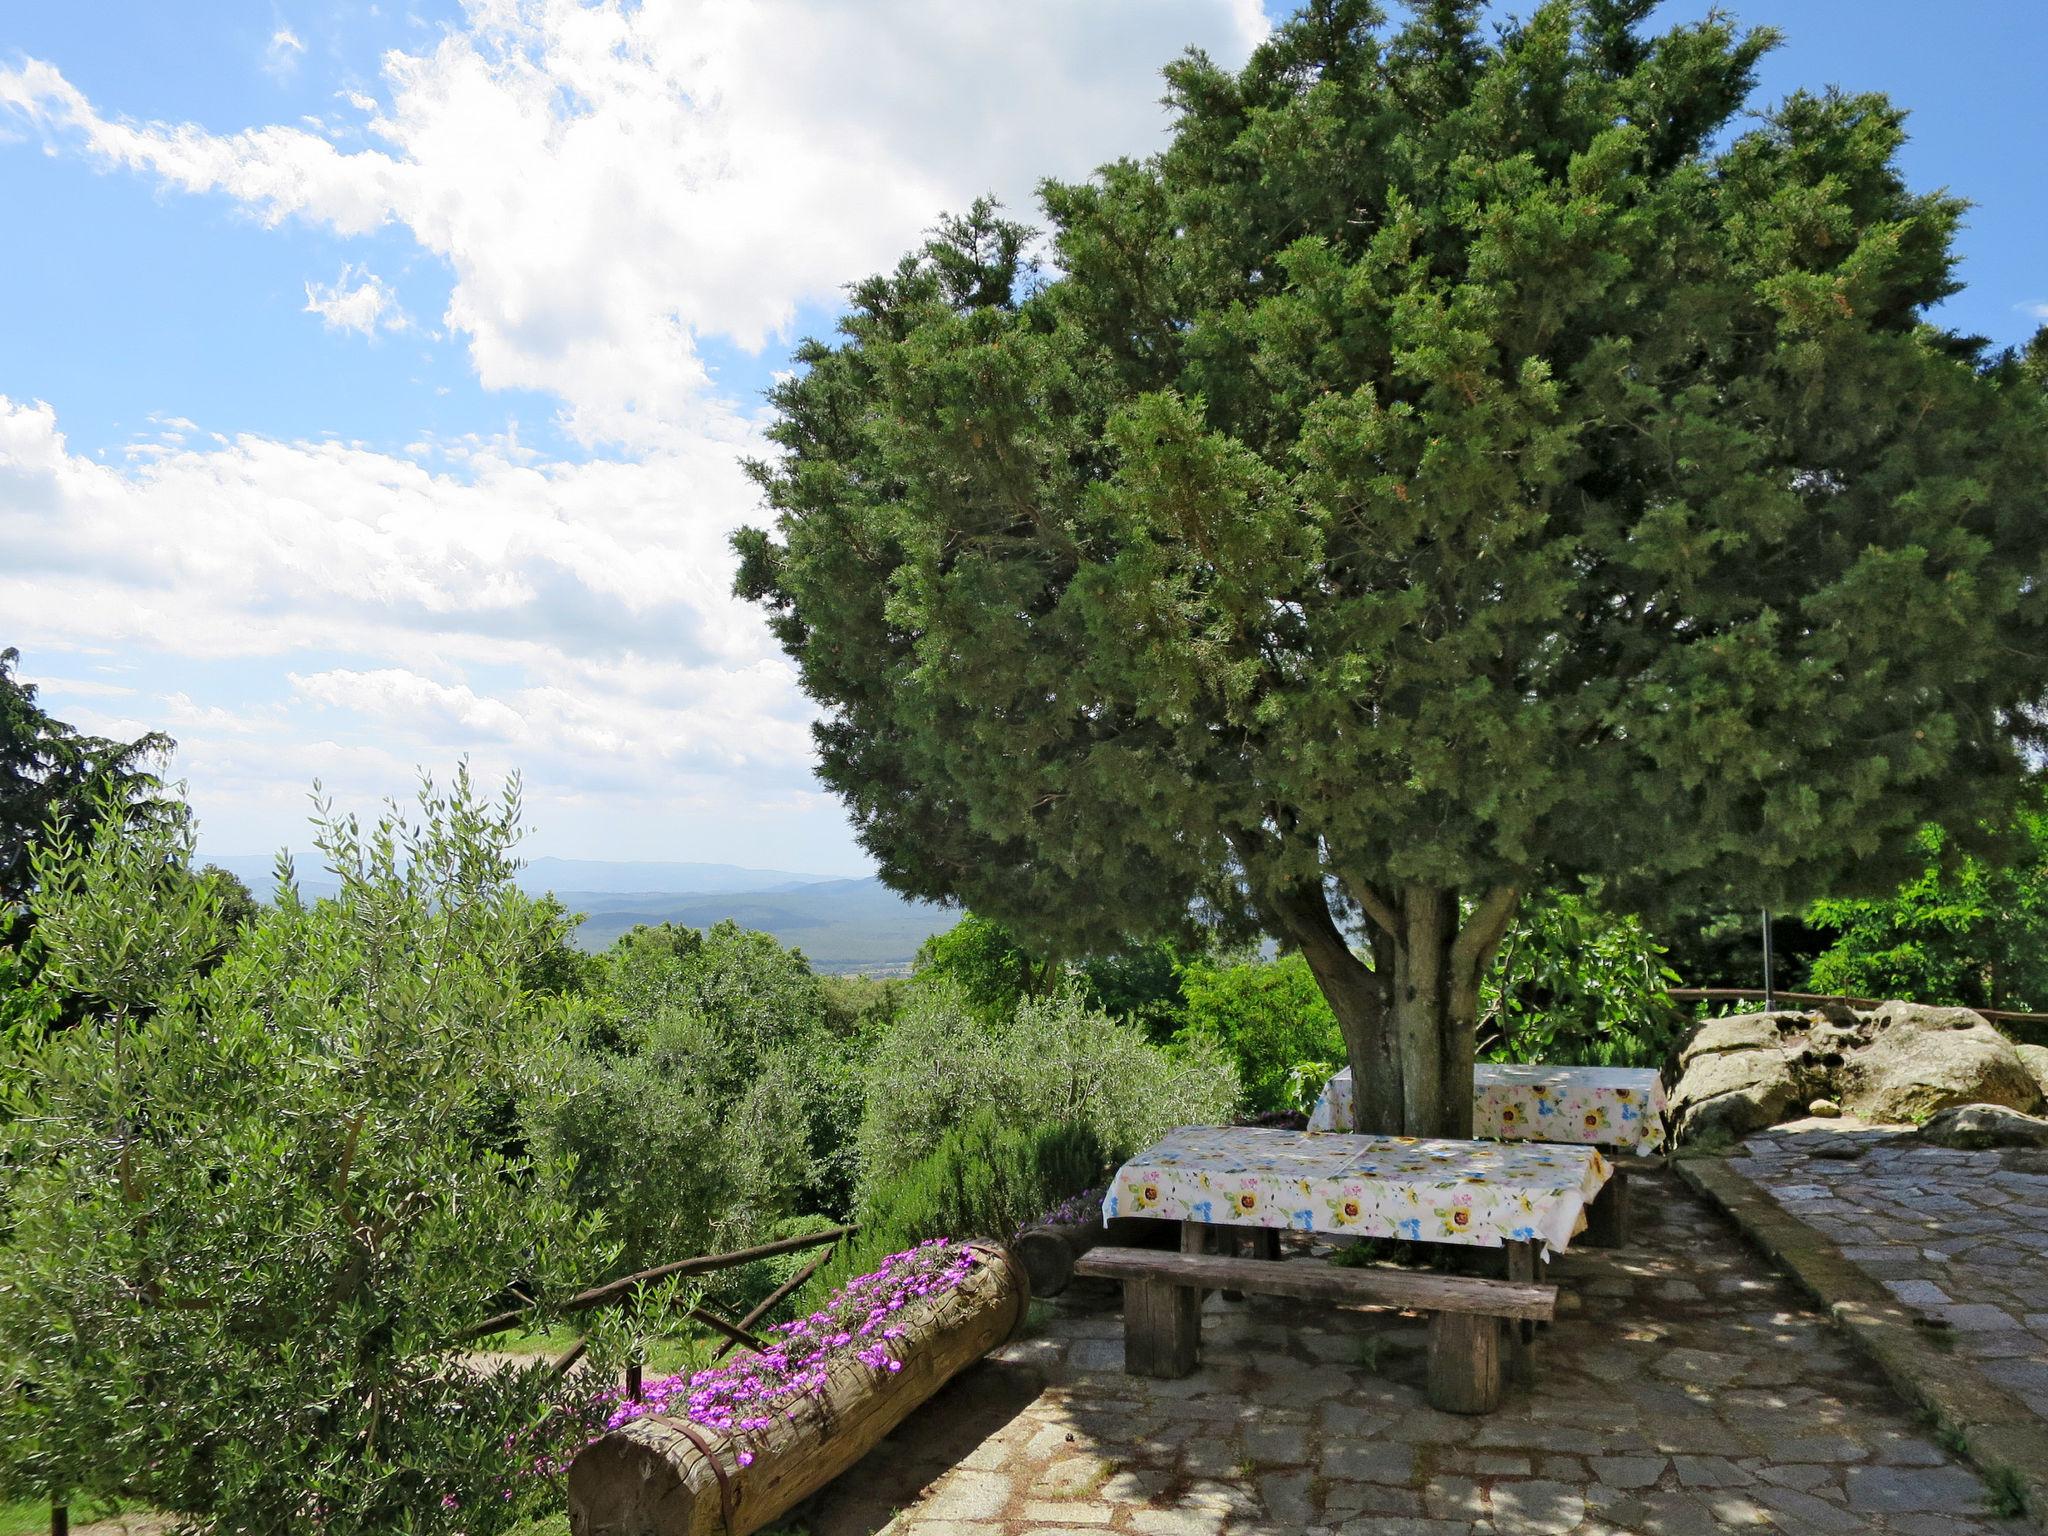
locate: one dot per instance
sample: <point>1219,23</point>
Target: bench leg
<point>1162,1328</point>
<point>1521,1332</point>
<point>1464,1362</point>
<point>1607,1216</point>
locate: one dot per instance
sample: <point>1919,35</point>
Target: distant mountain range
<point>840,925</point>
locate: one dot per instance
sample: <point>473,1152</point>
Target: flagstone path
<point>1961,1237</point>
<point>1685,1390</point>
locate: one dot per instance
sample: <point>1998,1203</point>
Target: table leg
<point>1522,1264</point>
<point>1607,1217</point>
<point>1230,1245</point>
<point>1464,1362</point>
<point>1162,1328</point>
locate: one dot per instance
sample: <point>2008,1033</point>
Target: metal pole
<point>1770,1002</point>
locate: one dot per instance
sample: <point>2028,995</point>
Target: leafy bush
<point>993,973</point>
<point>709,1095</point>
<point>1967,931</point>
<point>987,1177</point>
<point>252,1207</point>
<point>1271,1019</point>
<point>1574,985</point>
<point>1053,1062</point>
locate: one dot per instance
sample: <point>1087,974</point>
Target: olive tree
<point>1455,464</point>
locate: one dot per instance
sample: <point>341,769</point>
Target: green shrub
<point>1576,985</point>
<point>1271,1019</point>
<point>987,1177</point>
<point>253,1206</point>
<point>1053,1062</point>
<point>711,1093</point>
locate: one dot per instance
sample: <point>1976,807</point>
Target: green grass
<point>31,1517</point>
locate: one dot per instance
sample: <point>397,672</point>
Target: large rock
<point>2035,1059</point>
<point>1919,1061</point>
<point>1897,1062</point>
<point>1977,1127</point>
<point>1740,1074</point>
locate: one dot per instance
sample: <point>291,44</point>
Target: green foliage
<point>51,776</point>
<point>1055,1062</point>
<point>26,1005</point>
<point>1453,466</point>
<point>709,1097</point>
<point>1140,985</point>
<point>989,1176</point>
<point>987,966</point>
<point>1966,931</point>
<point>1270,1018</point>
<point>252,1206</point>
<point>1578,985</point>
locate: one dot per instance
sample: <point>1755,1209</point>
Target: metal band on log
<point>1048,1252</point>
<point>662,1476</point>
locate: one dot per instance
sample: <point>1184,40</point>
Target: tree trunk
<point>1408,1020</point>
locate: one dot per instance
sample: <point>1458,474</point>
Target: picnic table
<point>1526,1198</point>
<point>1480,1193</point>
<point>1620,1107</point>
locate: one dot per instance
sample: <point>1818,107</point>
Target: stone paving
<point>1959,1237</point>
<point>1684,1390</point>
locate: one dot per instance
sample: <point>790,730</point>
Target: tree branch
<point>1374,905</point>
<point>1483,930</point>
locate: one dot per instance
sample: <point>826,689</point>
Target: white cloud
<point>371,305</point>
<point>281,58</point>
<point>2038,310</point>
<point>610,183</point>
<point>611,186</point>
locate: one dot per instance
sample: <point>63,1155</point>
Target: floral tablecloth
<point>1594,1106</point>
<point>1485,1193</point>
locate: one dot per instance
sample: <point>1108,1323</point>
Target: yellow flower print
<point>1510,1117</point>
<point>1246,1200</point>
<point>1145,1195</point>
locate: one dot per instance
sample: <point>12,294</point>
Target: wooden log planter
<point>1050,1250</point>
<point>672,1474</point>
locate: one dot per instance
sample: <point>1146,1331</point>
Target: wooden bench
<point>1163,1304</point>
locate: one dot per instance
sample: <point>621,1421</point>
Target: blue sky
<point>363,405</point>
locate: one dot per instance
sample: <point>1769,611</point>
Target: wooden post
<point>1162,1328</point>
<point>1607,1217</point>
<point>1265,1242</point>
<point>1522,1334</point>
<point>634,1388</point>
<point>60,1519</point>
<point>1464,1362</point>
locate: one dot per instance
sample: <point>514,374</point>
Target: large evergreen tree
<point>1452,465</point>
<point>51,774</point>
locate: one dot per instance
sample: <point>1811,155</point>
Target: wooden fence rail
<point>1734,994</point>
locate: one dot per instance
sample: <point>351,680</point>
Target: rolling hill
<point>841,925</point>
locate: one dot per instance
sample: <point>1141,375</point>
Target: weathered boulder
<point>1896,1062</point>
<point>1977,1127</point>
<point>1918,1061</point>
<point>2035,1059</point>
<point>1741,1073</point>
